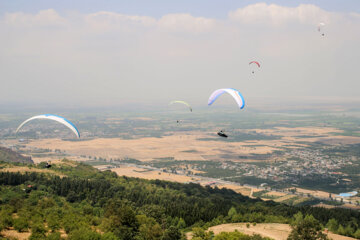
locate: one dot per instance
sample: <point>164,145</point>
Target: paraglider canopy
<point>181,102</point>
<point>233,92</point>
<point>320,28</point>
<point>59,119</point>
<point>257,63</point>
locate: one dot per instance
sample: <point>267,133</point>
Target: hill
<point>8,155</point>
<point>76,201</point>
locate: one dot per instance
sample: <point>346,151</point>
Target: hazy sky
<point>111,53</point>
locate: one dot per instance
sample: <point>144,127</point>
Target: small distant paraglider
<point>59,119</point>
<point>321,28</point>
<point>181,102</point>
<point>222,134</point>
<point>256,63</point>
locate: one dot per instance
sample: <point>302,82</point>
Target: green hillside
<point>89,204</point>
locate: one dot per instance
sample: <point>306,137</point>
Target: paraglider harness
<point>222,134</point>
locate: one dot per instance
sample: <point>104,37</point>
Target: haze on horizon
<point>93,55</point>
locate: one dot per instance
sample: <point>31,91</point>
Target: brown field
<point>351,206</point>
<point>275,194</point>
<point>320,194</point>
<point>147,149</point>
<point>275,231</point>
<point>322,205</point>
<point>146,174</point>
<point>284,198</point>
<point>186,146</point>
<point>142,173</point>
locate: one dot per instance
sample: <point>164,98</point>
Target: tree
<point>349,231</point>
<point>306,228</point>
<point>84,234</point>
<point>332,225</point>
<point>5,219</point>
<point>232,212</point>
<point>357,234</point>
<point>200,234</point>
<point>37,231</point>
<point>341,230</point>
<point>53,220</point>
<point>20,224</point>
<point>181,224</point>
<point>149,229</point>
<point>121,220</point>
<point>109,236</point>
<point>54,236</point>
<point>172,233</point>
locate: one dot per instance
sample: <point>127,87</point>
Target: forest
<point>76,201</point>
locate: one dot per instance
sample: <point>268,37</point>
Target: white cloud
<point>44,18</point>
<point>102,57</point>
<point>279,15</point>
<point>110,20</point>
<point>187,23</point>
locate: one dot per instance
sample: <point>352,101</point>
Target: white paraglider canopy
<point>59,119</point>
<point>233,92</point>
<point>181,102</point>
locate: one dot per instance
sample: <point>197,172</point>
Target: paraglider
<point>320,28</point>
<point>233,92</point>
<point>59,119</point>
<point>222,134</point>
<point>182,102</point>
<point>257,63</point>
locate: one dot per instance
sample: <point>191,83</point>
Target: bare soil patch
<point>13,234</point>
<point>276,231</point>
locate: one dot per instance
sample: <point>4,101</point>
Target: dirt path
<point>275,231</point>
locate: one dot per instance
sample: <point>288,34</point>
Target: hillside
<point>76,201</point>
<point>8,155</point>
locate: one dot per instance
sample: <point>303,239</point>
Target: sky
<point>113,53</point>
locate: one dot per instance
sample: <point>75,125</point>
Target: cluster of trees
<point>348,230</point>
<point>200,234</point>
<point>101,205</point>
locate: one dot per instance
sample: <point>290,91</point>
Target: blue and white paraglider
<point>59,119</point>
<point>233,92</point>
